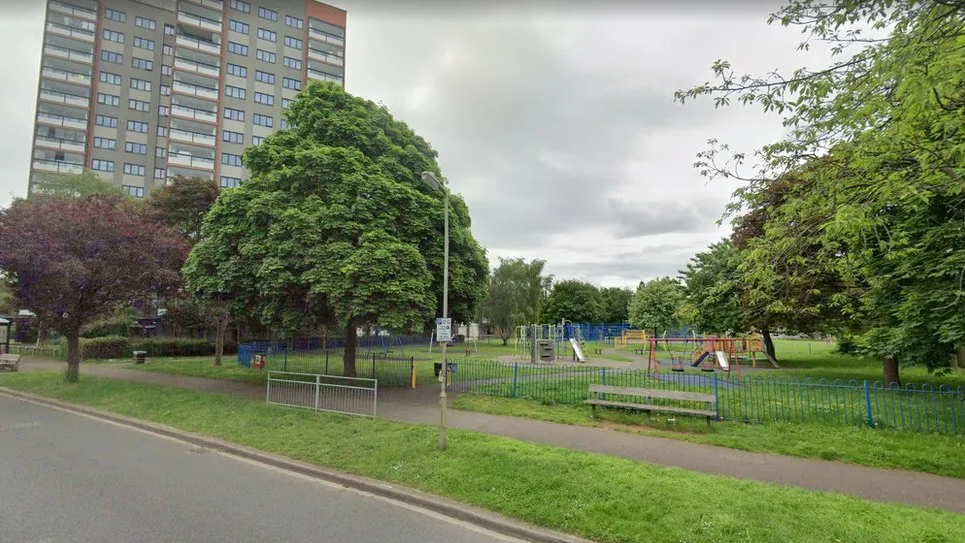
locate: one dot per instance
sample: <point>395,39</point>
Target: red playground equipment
<point>709,354</point>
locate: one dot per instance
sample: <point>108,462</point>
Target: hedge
<point>122,347</point>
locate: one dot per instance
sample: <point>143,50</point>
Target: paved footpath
<point>421,406</point>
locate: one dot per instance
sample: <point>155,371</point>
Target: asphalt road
<point>66,478</point>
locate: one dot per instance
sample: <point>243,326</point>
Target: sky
<point>555,121</point>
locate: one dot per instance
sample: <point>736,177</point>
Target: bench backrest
<point>10,357</point>
<point>653,393</point>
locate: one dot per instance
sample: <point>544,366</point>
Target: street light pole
<point>431,180</point>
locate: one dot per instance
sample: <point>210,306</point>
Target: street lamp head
<point>430,179</point>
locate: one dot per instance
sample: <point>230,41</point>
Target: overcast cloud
<point>556,124</point>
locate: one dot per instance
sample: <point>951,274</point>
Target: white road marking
<point>18,426</point>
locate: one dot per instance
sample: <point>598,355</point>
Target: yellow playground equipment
<point>630,336</point>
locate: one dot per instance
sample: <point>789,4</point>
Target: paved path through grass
<point>420,406</point>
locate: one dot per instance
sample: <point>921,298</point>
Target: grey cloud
<point>637,219</point>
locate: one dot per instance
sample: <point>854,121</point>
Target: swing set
<point>708,353</point>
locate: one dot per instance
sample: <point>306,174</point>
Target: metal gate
<point>348,395</point>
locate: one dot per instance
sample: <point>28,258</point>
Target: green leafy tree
<point>656,305</point>
<point>616,302</point>
<point>573,300</point>
<point>713,290</point>
<point>78,185</point>
<point>514,295</point>
<point>336,228</point>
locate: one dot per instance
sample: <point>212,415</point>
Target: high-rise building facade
<point>142,91</point>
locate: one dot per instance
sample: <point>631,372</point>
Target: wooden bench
<point>10,361</point>
<point>710,411</point>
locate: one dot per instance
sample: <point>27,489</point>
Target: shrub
<point>847,345</point>
<point>163,346</point>
<point>103,347</point>
<point>116,326</point>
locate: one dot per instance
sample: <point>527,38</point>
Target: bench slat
<point>649,407</point>
<point>653,393</point>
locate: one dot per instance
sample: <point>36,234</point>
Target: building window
<point>136,148</point>
<point>262,98</point>
<point>234,114</point>
<point>111,56</point>
<point>143,43</point>
<point>144,22</point>
<point>235,69</point>
<point>230,160</point>
<point>133,169</point>
<point>294,43</point>
<point>130,190</point>
<point>108,77</point>
<point>142,64</point>
<point>293,63</point>
<point>167,50</point>
<point>160,152</point>
<point>233,137</point>
<point>158,173</point>
<point>256,140</point>
<point>115,15</point>
<point>284,124</point>
<point>137,126</point>
<point>105,143</point>
<point>268,14</point>
<point>140,84</point>
<point>108,99</point>
<point>241,6</point>
<point>163,111</point>
<point>162,131</point>
<point>138,105</point>
<point>230,182</point>
<point>165,69</point>
<point>268,35</point>
<point>169,30</point>
<point>293,22</point>
<point>293,84</point>
<point>265,77</point>
<point>105,120</point>
<point>165,90</point>
<point>267,56</point>
<point>114,36</point>
<point>234,92</point>
<point>102,165</point>
<point>238,26</point>
<point>238,48</point>
<point>263,120</point>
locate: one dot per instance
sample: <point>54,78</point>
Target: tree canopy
<point>713,290</point>
<point>655,305</point>
<point>183,204</point>
<point>514,295</point>
<point>335,226</point>
<point>615,302</point>
<point>573,300</point>
<point>62,185</point>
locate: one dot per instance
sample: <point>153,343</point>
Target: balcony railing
<point>201,45</point>
<point>188,88</point>
<point>64,98</point>
<point>335,60</point>
<point>197,20</point>
<point>57,166</point>
<point>325,37</point>
<point>191,161</point>
<point>191,113</point>
<point>196,67</point>
<point>73,10</point>
<point>70,31</point>
<point>69,54</point>
<point>63,75</point>
<point>62,145</point>
<point>323,76</point>
<point>175,134</point>
<point>60,120</point>
<point>217,5</point>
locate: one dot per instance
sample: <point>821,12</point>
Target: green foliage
<point>573,300</point>
<point>514,294</point>
<point>656,305</point>
<point>63,185</point>
<point>335,226</point>
<point>616,304</point>
<point>713,290</point>
<point>183,204</point>
<point>105,327</point>
<point>104,347</point>
<point>118,347</point>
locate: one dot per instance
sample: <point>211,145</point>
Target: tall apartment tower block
<point>142,91</point>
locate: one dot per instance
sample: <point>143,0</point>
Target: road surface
<point>67,478</point>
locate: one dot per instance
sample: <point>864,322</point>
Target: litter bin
<point>140,357</point>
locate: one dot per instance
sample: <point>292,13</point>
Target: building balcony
<point>64,98</point>
<point>60,145</point>
<point>199,45</point>
<point>197,67</point>
<point>68,9</point>
<point>334,60</point>
<point>196,138</point>
<point>198,21</point>
<point>63,75</point>
<point>319,76</point>
<point>216,5</point>
<point>325,37</point>
<point>184,159</point>
<point>57,166</point>
<point>70,32</point>
<point>194,90</point>
<point>68,54</point>
<point>196,114</point>
<point>60,120</point>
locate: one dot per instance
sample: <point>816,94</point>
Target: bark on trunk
<point>960,355</point>
<point>221,328</point>
<point>505,340</point>
<point>348,360</point>
<point>768,343</point>
<point>73,357</point>
<point>891,371</point>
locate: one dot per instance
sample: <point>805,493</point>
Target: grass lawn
<point>929,453</point>
<point>603,498</point>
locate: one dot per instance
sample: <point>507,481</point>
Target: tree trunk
<point>73,356</point>
<point>768,343</point>
<point>221,328</point>
<point>505,340</point>
<point>891,371</point>
<point>348,360</point>
<point>960,355</point>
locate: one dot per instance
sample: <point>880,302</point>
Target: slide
<point>722,360</point>
<point>578,350</point>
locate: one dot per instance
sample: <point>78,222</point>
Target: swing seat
<point>677,369</point>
